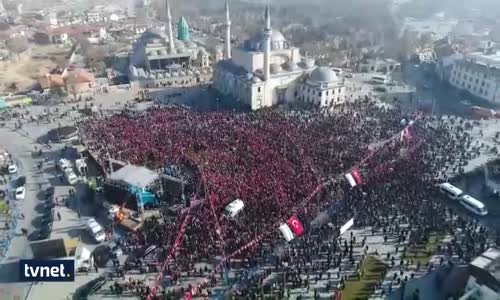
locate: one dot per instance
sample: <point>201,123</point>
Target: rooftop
<point>488,262</point>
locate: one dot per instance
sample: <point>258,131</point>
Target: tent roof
<point>134,175</point>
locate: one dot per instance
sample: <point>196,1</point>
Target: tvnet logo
<point>47,270</point>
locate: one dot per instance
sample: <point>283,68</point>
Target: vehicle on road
<point>65,165</point>
<point>12,169</point>
<point>473,205</point>
<point>71,177</point>
<point>96,230</point>
<point>450,190</point>
<point>20,193</point>
<point>21,181</point>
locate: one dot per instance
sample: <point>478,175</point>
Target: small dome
<point>181,73</point>
<point>275,68</point>
<point>179,44</point>
<point>175,74</point>
<point>167,75</point>
<point>290,65</point>
<point>257,42</point>
<point>197,72</point>
<point>309,62</point>
<point>159,76</point>
<point>152,76</point>
<point>163,52</point>
<point>159,52</point>
<point>256,79</point>
<point>323,74</point>
<point>189,72</point>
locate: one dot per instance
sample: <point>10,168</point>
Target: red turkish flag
<point>357,177</point>
<point>295,225</point>
<point>188,296</point>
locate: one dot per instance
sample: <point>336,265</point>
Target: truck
<point>71,177</point>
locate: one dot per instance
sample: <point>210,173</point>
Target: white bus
<point>473,205</point>
<point>450,190</point>
<point>382,79</point>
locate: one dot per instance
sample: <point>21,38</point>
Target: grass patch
<point>361,289</point>
<point>423,253</point>
<point>4,207</point>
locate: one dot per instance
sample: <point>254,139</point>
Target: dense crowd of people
<point>285,163</point>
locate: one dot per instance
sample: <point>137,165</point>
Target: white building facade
<point>478,74</point>
<point>267,70</point>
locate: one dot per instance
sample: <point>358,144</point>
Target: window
<point>340,90</point>
<point>482,83</point>
<point>468,86</point>
<point>333,92</point>
<point>258,89</point>
<point>477,80</point>
<point>327,93</point>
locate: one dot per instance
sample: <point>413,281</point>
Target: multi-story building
<point>478,74</point>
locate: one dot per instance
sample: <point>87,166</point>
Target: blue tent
<point>3,104</point>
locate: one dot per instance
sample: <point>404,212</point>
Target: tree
<point>17,44</point>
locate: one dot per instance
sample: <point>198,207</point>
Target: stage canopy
<point>139,177</point>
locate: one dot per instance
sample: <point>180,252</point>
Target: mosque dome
<point>275,68</point>
<point>159,52</point>
<point>257,42</point>
<point>309,62</point>
<point>167,75</point>
<point>159,76</point>
<point>152,76</point>
<point>323,75</point>
<point>163,52</point>
<point>175,74</point>
<point>189,72</point>
<point>181,73</point>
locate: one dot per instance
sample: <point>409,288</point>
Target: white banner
<point>346,226</point>
<point>287,232</point>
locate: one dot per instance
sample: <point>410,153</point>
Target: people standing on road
<point>59,216</point>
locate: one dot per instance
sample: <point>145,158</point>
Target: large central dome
<point>257,42</point>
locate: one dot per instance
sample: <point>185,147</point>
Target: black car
<point>49,205</point>
<point>49,192</point>
<point>48,219</point>
<point>21,181</point>
<point>41,234</point>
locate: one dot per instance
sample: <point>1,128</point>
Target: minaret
<point>171,46</point>
<point>267,44</point>
<point>228,33</point>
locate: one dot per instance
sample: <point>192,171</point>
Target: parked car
<point>12,169</point>
<point>49,205</point>
<point>48,219</point>
<point>20,193</point>
<point>49,192</point>
<point>96,230</point>
<point>21,181</point>
<point>41,234</point>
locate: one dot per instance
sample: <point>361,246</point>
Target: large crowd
<point>285,163</point>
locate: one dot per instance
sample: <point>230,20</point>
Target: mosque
<point>159,60</point>
<point>267,70</point>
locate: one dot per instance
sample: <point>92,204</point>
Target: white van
<point>71,177</point>
<point>450,190</point>
<point>96,230</point>
<point>473,205</point>
<point>234,208</point>
<point>80,166</point>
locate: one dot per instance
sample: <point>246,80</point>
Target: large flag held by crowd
<point>354,178</point>
<point>293,228</point>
